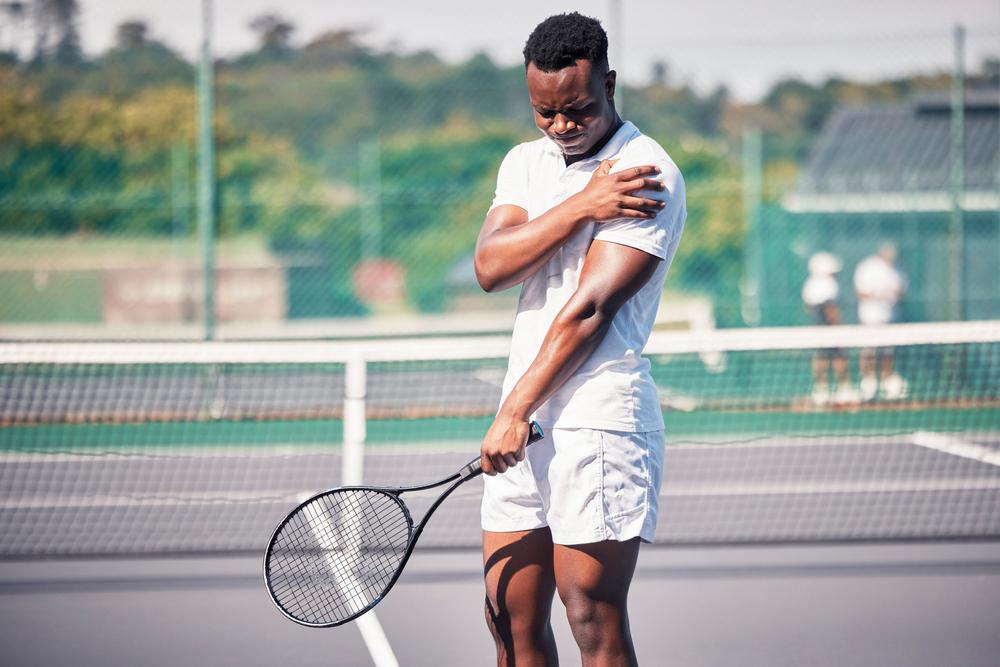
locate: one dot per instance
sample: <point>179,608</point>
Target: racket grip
<point>475,466</point>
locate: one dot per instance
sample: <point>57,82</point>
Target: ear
<point>609,84</point>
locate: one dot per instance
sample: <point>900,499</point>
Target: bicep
<point>501,217</point>
<point>613,273</point>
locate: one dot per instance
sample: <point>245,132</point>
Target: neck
<point>616,124</point>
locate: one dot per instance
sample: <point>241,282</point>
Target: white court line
<point>956,447</point>
<point>841,487</point>
<point>378,644</point>
<point>177,452</point>
<point>332,540</point>
<point>669,491</point>
<point>54,501</point>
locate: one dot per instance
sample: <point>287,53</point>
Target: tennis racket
<point>340,552</point>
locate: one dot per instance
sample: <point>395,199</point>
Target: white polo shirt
<point>883,284</point>
<point>612,389</point>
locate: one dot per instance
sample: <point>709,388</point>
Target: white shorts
<point>585,485</point>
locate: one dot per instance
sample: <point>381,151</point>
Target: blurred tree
<point>131,35</point>
<point>274,34</point>
<point>57,37</point>
<point>135,63</point>
<point>338,47</point>
<point>660,75</point>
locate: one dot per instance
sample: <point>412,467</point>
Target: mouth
<point>571,140</point>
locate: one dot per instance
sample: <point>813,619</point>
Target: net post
<point>355,426</point>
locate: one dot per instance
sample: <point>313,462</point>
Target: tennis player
<point>586,220</point>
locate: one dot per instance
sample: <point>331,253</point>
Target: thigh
<point>596,572</point>
<point>518,570</point>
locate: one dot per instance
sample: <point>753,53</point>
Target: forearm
<point>506,256</point>
<point>571,339</point>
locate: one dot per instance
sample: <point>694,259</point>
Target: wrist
<point>515,408</point>
<point>576,211</point>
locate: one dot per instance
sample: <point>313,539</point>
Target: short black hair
<point>560,40</point>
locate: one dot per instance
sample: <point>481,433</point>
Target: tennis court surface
<point>919,605</point>
<point>143,480</point>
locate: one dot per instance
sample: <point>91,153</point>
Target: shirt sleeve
<point>512,180</point>
<point>659,235</point>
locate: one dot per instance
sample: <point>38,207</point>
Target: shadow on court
<point>902,604</point>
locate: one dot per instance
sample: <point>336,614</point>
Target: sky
<point>744,44</point>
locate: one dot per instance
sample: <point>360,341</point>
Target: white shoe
<point>894,388</point>
<point>868,387</point>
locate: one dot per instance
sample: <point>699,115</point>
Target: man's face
<point>573,106</point>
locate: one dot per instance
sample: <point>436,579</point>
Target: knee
<point>596,623</point>
<point>587,620</point>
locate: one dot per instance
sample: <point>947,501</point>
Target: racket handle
<point>475,466</point>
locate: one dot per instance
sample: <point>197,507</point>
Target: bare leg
<point>841,369</point>
<point>868,362</point>
<point>869,381</point>
<point>819,368</point>
<point>886,363</point>
<point>520,585</point>
<point>593,581</point>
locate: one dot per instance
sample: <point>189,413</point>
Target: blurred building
<point>881,173</point>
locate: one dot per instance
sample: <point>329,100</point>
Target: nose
<point>563,125</point>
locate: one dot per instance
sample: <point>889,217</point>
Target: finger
<point>499,464</point>
<point>519,454</point>
<point>651,205</point>
<point>510,459</point>
<point>641,184</point>
<point>635,213</point>
<point>644,184</point>
<point>606,166</point>
<point>638,172</point>
<point>486,465</point>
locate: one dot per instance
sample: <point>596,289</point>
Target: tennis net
<point>772,435</point>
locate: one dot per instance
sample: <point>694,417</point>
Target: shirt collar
<point>617,141</point>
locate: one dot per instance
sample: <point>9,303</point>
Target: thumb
<point>605,167</point>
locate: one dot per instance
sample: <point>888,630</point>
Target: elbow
<point>488,281</point>
<point>590,317</point>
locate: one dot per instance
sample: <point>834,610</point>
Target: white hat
<point>825,263</point>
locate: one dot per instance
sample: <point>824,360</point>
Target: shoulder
<point>641,149</point>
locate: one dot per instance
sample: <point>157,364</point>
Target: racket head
<point>337,554</point>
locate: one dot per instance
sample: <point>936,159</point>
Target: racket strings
<point>336,554</point>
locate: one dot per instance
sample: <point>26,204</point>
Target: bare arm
<point>511,248</point>
<point>611,275</point>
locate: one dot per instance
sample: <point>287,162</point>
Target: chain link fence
<point>351,182</point>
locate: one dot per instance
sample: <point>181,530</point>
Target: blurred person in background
<point>586,219</point>
<point>880,286</point>
<point>820,293</point>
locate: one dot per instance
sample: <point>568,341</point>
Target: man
<point>586,219</point>
<point>880,287</point>
<point>820,294</point>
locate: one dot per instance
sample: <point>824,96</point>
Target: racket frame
<point>465,473</point>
